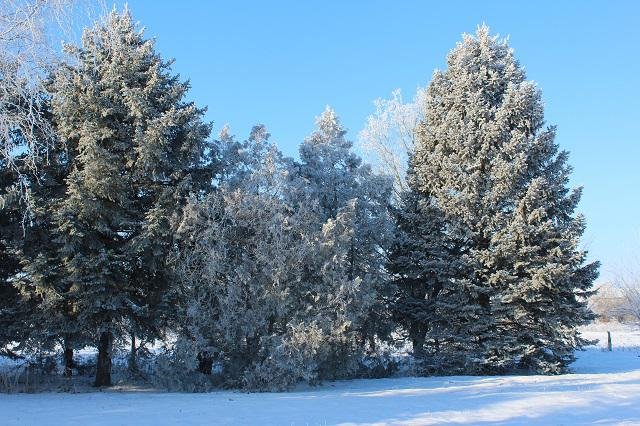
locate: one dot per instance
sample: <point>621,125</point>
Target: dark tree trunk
<point>417,335</point>
<point>133,362</point>
<point>205,362</point>
<point>372,343</point>
<point>68,361</point>
<point>103,367</point>
<point>417,328</point>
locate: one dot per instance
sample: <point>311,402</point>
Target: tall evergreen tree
<point>141,152</point>
<point>495,172</point>
<point>53,319</point>
<point>34,314</point>
<point>353,218</point>
<point>422,262</point>
<point>11,232</point>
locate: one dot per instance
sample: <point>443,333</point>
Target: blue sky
<point>279,63</point>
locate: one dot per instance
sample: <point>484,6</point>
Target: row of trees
<point>267,270</point>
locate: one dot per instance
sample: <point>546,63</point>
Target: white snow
<point>605,389</point>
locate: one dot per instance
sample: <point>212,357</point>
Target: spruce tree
<point>422,262</point>
<point>36,311</point>
<point>11,234</point>
<point>494,170</point>
<point>141,152</point>
<point>54,318</point>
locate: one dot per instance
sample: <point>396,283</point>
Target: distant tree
<point>141,152</point>
<point>607,302</point>
<point>496,174</point>
<point>631,307</point>
<point>622,299</point>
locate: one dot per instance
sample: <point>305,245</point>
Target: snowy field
<point>605,389</point>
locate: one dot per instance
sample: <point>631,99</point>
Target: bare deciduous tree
<point>389,138</point>
<point>629,285</point>
<point>607,303</point>
<point>30,36</point>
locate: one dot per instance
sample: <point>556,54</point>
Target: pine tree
<point>54,319</point>
<point>37,310</point>
<point>11,233</point>
<point>545,293</point>
<point>422,262</point>
<point>353,218</point>
<point>25,135</point>
<point>331,171</point>
<point>495,173</point>
<point>140,153</point>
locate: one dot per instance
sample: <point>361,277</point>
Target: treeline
<point>260,271</point>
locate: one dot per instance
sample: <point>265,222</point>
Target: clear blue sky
<point>279,63</point>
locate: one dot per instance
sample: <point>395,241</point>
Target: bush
<point>288,360</point>
<point>176,370</point>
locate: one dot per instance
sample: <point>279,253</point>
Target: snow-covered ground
<point>605,389</point>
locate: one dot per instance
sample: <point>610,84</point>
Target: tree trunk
<point>205,363</point>
<point>68,361</point>
<point>133,362</point>
<point>418,346</point>
<point>417,335</point>
<point>103,367</point>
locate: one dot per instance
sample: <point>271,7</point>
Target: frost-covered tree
<point>141,152</point>
<point>239,161</point>
<point>621,299</point>
<point>422,262</point>
<point>240,272</point>
<point>389,136</point>
<point>35,312</point>
<point>53,320</point>
<point>278,283</point>
<point>29,33</point>
<point>332,172</point>
<point>237,280</point>
<point>11,234</point>
<point>353,213</point>
<point>546,292</point>
<point>495,172</point>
